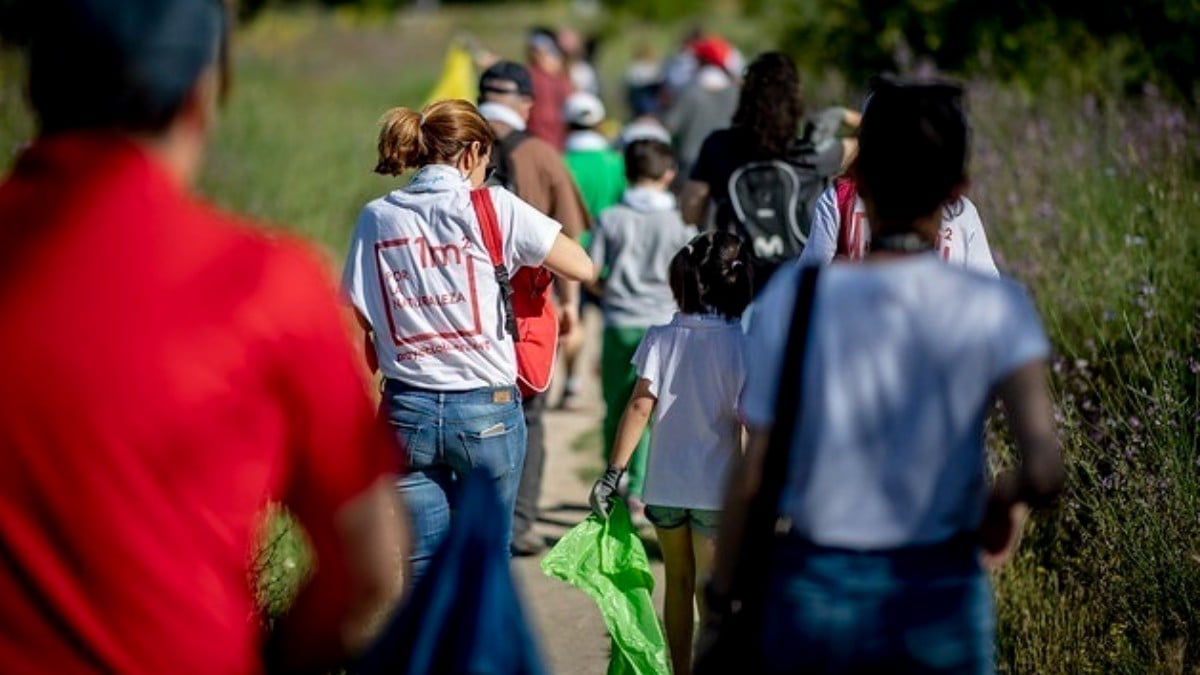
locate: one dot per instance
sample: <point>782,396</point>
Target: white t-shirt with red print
<point>419,272</point>
<point>696,370</point>
<point>961,241</point>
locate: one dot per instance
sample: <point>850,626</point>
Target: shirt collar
<point>436,178</point>
<point>708,320</point>
<point>586,141</point>
<point>97,155</point>
<point>648,200</point>
<point>498,112</point>
<point>712,77</point>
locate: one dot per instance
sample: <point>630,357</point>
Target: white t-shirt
<point>961,241</point>
<point>695,368</point>
<point>418,270</point>
<point>902,359</point>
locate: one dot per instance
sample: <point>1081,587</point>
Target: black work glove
<point>603,491</point>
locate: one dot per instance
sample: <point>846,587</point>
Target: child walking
<point>634,241</point>
<point>690,376</point>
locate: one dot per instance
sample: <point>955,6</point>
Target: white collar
<point>648,200</point>
<point>436,178</point>
<point>586,140</point>
<point>498,112</point>
<point>712,77</point>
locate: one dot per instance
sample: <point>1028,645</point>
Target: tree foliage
<point>1126,42</point>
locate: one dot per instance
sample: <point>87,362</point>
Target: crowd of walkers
<point>804,333</point>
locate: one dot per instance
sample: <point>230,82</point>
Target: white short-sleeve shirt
<point>417,269</point>
<point>696,372</point>
<point>961,241</point>
<point>901,362</point>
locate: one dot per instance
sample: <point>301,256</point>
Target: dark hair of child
<point>713,274</point>
<point>913,149</point>
<point>648,159</point>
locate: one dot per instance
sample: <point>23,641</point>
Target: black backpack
<point>771,203</point>
<point>504,176</point>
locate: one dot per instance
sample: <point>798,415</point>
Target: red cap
<point>712,50</point>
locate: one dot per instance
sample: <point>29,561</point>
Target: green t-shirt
<point>600,175</point>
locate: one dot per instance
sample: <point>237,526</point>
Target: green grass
<point>1090,201</point>
<point>589,444</point>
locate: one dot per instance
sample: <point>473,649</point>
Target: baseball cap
<point>712,51</point>
<point>97,62</point>
<point>583,109</point>
<point>506,77</point>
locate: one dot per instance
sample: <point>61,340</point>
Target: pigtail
<point>713,273</point>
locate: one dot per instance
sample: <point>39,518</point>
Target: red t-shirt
<point>550,94</point>
<point>166,371</point>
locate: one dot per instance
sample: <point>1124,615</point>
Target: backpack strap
<point>847,194</point>
<point>502,151</point>
<point>489,227</point>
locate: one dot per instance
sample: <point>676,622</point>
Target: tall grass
<point>1091,201</point>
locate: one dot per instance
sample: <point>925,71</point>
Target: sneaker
<point>527,544</point>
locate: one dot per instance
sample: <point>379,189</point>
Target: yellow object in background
<point>458,79</point>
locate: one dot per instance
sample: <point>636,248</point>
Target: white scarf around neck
<point>498,112</point>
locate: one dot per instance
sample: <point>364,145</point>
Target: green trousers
<point>617,379</point>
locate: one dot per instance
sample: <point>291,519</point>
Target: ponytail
<point>436,135</point>
<point>400,141</point>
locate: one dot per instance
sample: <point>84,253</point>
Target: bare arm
<point>1040,475</point>
<point>1025,396</point>
<point>693,203</point>
<point>849,152</point>
<point>360,567</point>
<point>568,259</point>
<point>633,423</point>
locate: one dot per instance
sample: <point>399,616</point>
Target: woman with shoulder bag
<point>882,489</point>
<point>436,305</point>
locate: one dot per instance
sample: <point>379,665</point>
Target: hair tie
<point>735,264</point>
<point>690,249</point>
<point>421,120</point>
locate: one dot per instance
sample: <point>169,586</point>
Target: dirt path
<point>572,635</point>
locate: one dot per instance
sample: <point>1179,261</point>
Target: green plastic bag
<point>606,560</point>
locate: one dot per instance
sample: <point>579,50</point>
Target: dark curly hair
<point>771,106</point>
<point>713,274</point>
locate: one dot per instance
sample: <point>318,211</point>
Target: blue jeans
<point>917,610</point>
<point>444,435</point>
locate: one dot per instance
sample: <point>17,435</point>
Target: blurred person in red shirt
<point>168,369</point>
<point>551,88</point>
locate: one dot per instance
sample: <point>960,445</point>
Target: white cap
<point>583,110</point>
<point>645,129</point>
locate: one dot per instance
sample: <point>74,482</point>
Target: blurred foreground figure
<point>168,369</point>
<point>884,482</point>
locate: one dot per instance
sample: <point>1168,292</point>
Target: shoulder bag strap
<point>753,558</point>
<point>789,397</point>
<point>489,227</point>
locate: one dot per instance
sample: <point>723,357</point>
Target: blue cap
<point>119,63</point>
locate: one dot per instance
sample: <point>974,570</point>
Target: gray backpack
<point>772,203</point>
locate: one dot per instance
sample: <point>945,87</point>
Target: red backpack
<point>850,243</point>
<point>529,314</point>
